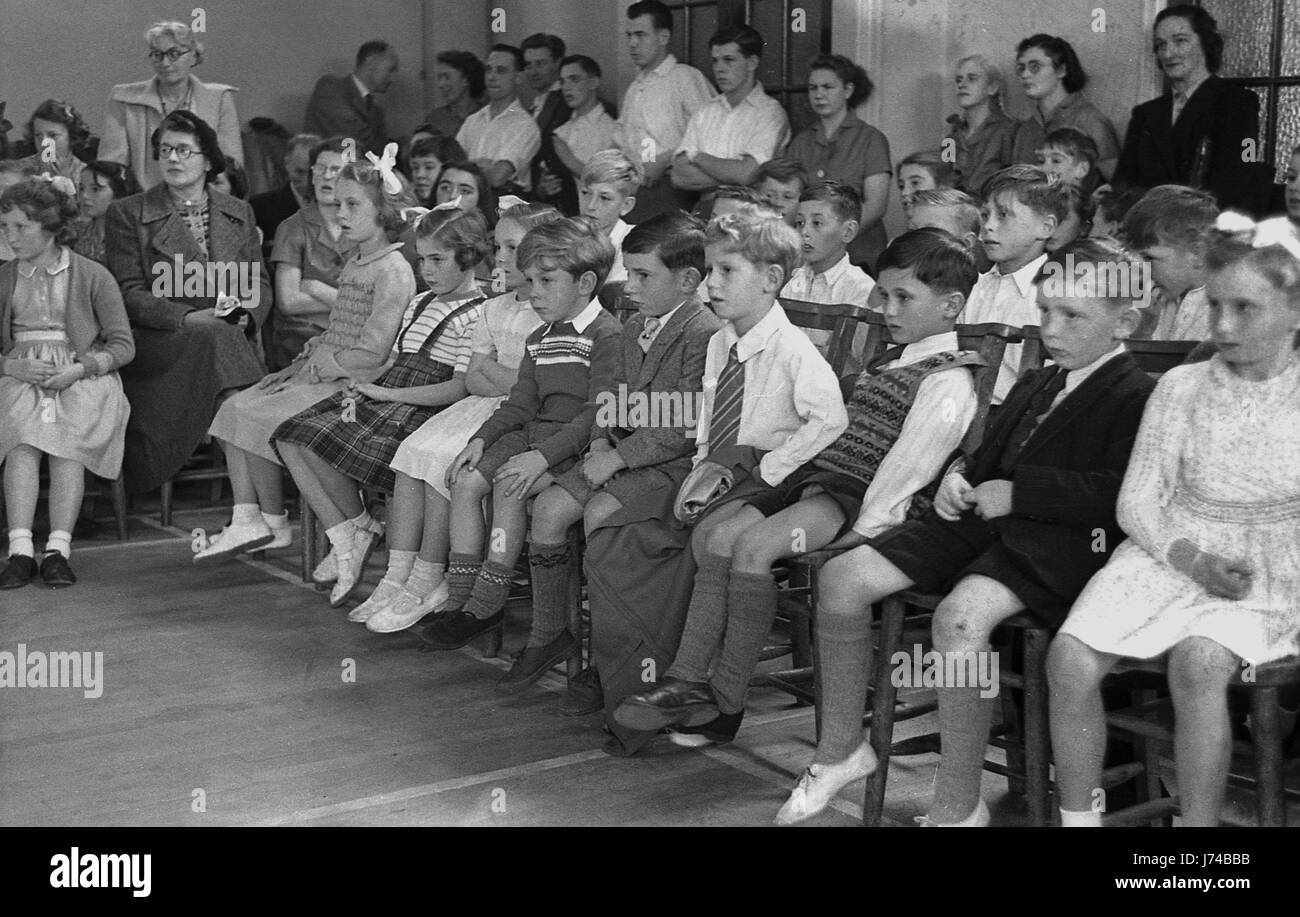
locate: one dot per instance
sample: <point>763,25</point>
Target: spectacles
<point>172,54</point>
<point>327,171</point>
<point>183,153</point>
<point>1029,66</point>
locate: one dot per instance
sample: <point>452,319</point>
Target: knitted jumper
<point>878,409</point>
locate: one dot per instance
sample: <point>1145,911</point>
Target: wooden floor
<point>224,703</point>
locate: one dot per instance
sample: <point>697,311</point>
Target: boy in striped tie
<point>537,433</point>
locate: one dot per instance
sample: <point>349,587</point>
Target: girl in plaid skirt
<point>350,438</point>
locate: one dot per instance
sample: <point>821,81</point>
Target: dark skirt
<point>173,384</point>
<point>362,445</point>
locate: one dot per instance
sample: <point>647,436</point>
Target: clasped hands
<point>44,373</point>
<point>989,500</point>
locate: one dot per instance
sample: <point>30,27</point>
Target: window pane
<point>1247,29</point>
<point>1291,39</point>
<point>1288,126</point>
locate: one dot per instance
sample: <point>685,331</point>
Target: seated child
<point>650,451</point>
<point>765,388</point>
<point>781,182</point>
<point>1112,207</point>
<point>1016,526</point>
<point>1023,208</point>
<point>926,170</point>
<point>907,415</point>
<point>348,439</point>
<point>420,511</point>
<point>1210,572</point>
<point>1077,223</point>
<point>540,430</point>
<point>1070,155</point>
<point>606,194</point>
<point>64,333</point>
<point>733,198</point>
<point>427,158</point>
<point>1167,227</point>
<point>955,212</point>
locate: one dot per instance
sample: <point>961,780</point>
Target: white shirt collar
<point>361,87</point>
<point>942,342</point>
<point>756,339</point>
<point>1023,278</point>
<point>754,97</point>
<point>514,106</point>
<point>667,316</point>
<point>585,317</point>
<point>1076,377</point>
<point>665,65</point>
<point>833,273</point>
<point>59,265</point>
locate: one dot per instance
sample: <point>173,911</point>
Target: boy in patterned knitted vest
<point>907,415</point>
<point>538,432</point>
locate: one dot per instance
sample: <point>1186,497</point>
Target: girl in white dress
<point>413,585</point>
<point>1210,573</point>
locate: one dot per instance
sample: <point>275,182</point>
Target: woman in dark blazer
<point>1205,146</point>
<point>190,347</point>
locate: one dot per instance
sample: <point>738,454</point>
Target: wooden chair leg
<point>573,666</point>
<point>882,709</point>
<point>309,554</point>
<point>1037,739</point>
<point>1266,734</point>
<point>165,494</point>
<point>119,507</point>
<point>1013,729</point>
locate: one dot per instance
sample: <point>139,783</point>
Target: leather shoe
<point>56,571</point>
<point>670,702</point>
<point>584,694</point>
<point>535,661</point>
<point>18,572</point>
<point>453,630</point>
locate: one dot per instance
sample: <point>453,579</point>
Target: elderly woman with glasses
<point>189,262</point>
<point>136,109</point>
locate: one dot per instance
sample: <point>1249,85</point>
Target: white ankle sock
<point>364,521</point>
<point>20,543</point>
<point>399,566</point>
<point>246,514</point>
<point>424,577</point>
<point>1088,819</point>
<point>340,537</point>
<point>276,522</point>
<point>60,541</point>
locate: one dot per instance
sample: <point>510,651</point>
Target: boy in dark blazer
<point>643,438</point>
<point>1023,523</point>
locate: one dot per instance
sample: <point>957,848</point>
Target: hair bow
<point>507,201</point>
<point>453,204</point>
<point>60,183</point>
<point>413,215</point>
<point>1275,231</point>
<point>387,165</point>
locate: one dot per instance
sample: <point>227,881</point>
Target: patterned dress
<point>249,418</point>
<point>360,437</point>
<point>1217,462</point>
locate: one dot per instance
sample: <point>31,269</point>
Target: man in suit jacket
<point>345,106</point>
<point>542,57</point>
<point>1205,131</point>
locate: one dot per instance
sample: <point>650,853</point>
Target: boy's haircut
<point>1172,215</point>
<point>513,52</point>
<point>465,232</point>
<point>553,44</point>
<point>1097,265</point>
<point>469,67</point>
<point>935,256</point>
<point>782,170</point>
<point>759,237</point>
<point>589,66</point>
<point>574,245</point>
<point>661,17</point>
<point>744,37</point>
<point>1061,53</point>
<point>612,167</point>
<point>845,201</point>
<point>54,210</point>
<point>389,206</point>
<point>1273,262</point>
<point>529,215</point>
<point>676,238</point>
<point>965,207</point>
<point>992,72</point>
<point>847,72</point>
<point>1073,143</point>
<point>443,149</point>
<point>1032,187</point>
<point>943,172</point>
<point>739,193</point>
<point>1115,205</point>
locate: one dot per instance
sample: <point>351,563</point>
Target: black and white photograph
<point>670,413</point>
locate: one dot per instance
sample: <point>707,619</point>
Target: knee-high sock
<point>549,568</point>
<point>964,720</point>
<point>751,609</point>
<point>491,590</point>
<point>462,571</point>
<point>844,663</point>
<point>706,620</point>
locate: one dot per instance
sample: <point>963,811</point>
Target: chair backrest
<point>612,295</point>
<point>837,323</point>
<point>1158,357</point>
<point>990,341</point>
<point>1032,354</point>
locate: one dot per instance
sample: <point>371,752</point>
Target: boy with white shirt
<point>1023,208</point>
<point>739,129</point>
<point>657,107</point>
<point>607,193</point>
<point>1166,228</point>
<point>589,129</point>
<point>501,137</point>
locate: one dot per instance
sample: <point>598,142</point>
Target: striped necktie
<point>729,398</point>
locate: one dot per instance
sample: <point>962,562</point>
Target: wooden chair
<point>207,464</point>
<point>839,324</point>
<point>1158,357</point>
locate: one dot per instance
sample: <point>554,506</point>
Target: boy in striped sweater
<point>537,433</point>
